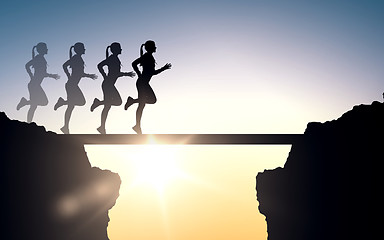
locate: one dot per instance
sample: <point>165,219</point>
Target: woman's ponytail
<point>33,52</point>
<point>141,50</point>
<point>107,52</point>
<point>70,52</point>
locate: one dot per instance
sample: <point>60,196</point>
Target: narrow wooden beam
<point>194,139</point>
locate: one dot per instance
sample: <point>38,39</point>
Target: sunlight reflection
<point>68,206</point>
<point>99,195</point>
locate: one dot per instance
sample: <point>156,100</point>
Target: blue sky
<point>244,64</point>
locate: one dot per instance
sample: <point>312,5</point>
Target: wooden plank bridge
<point>194,139</point>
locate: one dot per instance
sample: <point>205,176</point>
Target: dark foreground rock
<point>331,184</point>
<point>49,189</point>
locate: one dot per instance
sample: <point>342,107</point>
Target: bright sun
<point>156,166</point>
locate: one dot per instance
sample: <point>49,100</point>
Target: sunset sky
<point>244,66</point>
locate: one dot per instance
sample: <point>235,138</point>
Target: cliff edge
<point>330,185</point>
<point>49,189</point>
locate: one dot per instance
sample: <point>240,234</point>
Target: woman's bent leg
<point>31,113</point>
<point>104,115</point>
<point>67,117</point>
<point>139,114</point>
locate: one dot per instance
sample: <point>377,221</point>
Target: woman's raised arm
<point>134,66</point>
<point>101,69</point>
<point>28,68</point>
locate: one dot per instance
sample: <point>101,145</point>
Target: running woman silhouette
<point>111,95</point>
<point>74,95</point>
<point>145,92</point>
<point>37,96</point>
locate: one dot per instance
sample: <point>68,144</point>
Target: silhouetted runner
<point>74,95</point>
<point>37,96</point>
<point>145,92</point>
<point>111,95</point>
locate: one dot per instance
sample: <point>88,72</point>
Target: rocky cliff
<point>331,183</point>
<point>49,189</point>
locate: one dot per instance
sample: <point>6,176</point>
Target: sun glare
<point>155,166</point>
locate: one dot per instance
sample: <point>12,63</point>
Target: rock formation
<point>331,183</point>
<point>49,189</point>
